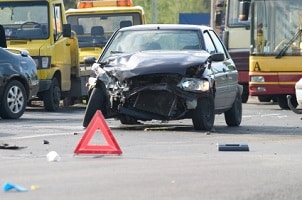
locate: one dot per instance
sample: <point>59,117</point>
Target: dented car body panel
<point>167,82</point>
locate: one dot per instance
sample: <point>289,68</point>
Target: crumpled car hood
<point>124,66</point>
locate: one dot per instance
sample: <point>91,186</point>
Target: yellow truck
<point>95,21</point>
<point>40,27</point>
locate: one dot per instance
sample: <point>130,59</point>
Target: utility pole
<point>213,8</point>
<point>154,11</point>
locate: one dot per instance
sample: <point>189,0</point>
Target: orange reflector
<point>104,3</point>
<point>124,3</point>
<point>85,4</point>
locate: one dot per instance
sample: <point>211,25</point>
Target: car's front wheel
<point>13,102</point>
<point>124,119</point>
<point>234,115</point>
<point>97,101</point>
<point>203,116</point>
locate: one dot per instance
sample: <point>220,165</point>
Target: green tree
<point>70,4</point>
<point>168,11</point>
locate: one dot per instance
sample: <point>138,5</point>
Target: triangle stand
<point>98,123</point>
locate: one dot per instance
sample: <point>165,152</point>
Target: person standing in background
<point>2,37</point>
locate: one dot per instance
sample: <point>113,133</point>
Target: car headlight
<point>193,84</point>
<point>42,62</point>
<point>257,79</point>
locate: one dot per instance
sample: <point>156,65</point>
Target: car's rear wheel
<point>203,116</point>
<point>97,101</point>
<point>245,93</point>
<point>13,102</point>
<point>52,97</point>
<point>233,116</point>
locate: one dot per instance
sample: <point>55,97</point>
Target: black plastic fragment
<point>12,147</point>
<point>233,147</point>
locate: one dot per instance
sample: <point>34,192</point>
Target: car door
<point>219,73</point>
<point>230,69</point>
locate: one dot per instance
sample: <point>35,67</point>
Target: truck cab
<point>40,27</point>
<point>95,21</point>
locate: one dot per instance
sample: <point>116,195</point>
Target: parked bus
<point>276,47</point>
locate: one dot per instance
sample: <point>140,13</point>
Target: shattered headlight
<point>193,84</point>
<point>103,76</point>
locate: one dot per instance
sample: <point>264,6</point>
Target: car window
<point>217,43</point>
<point>210,47</point>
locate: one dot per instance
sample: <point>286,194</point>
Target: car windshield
<point>96,29</point>
<point>145,40</point>
<point>23,20</point>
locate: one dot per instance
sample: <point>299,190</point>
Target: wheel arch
<point>23,81</point>
<point>58,76</point>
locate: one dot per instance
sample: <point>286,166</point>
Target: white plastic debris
<point>53,156</point>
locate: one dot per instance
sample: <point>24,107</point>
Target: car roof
<point>166,27</point>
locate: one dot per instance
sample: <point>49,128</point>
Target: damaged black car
<point>165,72</point>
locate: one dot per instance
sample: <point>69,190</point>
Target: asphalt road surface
<point>159,161</point>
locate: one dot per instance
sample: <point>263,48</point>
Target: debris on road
<point>45,142</point>
<point>53,156</point>
<point>9,186</point>
<point>12,147</point>
<point>233,147</point>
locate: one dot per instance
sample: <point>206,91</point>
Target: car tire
<point>124,119</point>
<point>52,97</point>
<point>245,94</point>
<point>14,100</point>
<point>233,116</point>
<point>203,116</point>
<point>97,101</point>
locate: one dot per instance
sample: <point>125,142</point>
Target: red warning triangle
<point>98,123</point>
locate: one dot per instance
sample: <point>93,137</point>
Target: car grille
<point>140,81</point>
<point>158,102</point>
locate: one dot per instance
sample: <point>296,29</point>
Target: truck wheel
<point>52,97</point>
<point>234,115</point>
<point>265,98</point>
<point>203,116</point>
<point>13,102</point>
<point>97,101</point>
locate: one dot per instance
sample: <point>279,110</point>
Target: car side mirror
<point>216,57</point>
<point>89,60</point>
<point>244,9</point>
<point>66,30</point>
<point>218,18</point>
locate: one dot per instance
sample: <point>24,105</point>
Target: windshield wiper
<point>114,52</point>
<point>284,49</point>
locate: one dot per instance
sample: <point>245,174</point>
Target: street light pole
<point>154,11</point>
